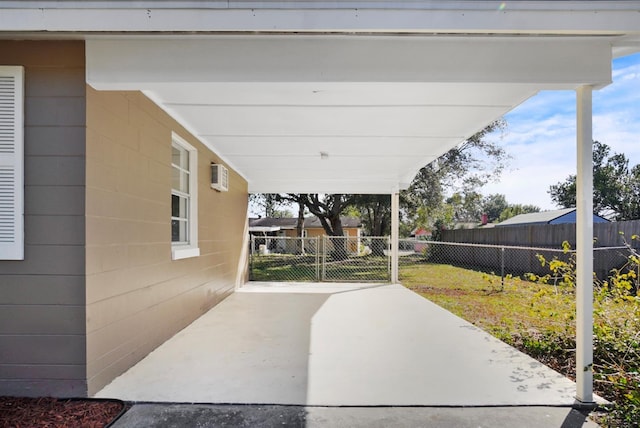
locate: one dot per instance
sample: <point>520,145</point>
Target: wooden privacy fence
<point>505,259</point>
<point>608,254</point>
<point>545,235</point>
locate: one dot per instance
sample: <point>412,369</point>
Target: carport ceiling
<point>340,113</point>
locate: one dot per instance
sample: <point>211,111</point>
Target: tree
<point>517,209</point>
<point>328,209</point>
<point>466,206</point>
<point>270,203</point>
<point>463,169</point>
<point>616,192</point>
<point>493,205</point>
<point>375,213</point>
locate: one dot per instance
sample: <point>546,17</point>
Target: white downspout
<point>584,247</point>
<point>395,232</point>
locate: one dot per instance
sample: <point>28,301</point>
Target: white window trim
<point>12,166</point>
<point>180,250</point>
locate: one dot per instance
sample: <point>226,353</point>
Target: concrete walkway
<point>338,345</point>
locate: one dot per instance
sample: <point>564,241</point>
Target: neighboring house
<point>351,226</point>
<point>420,233</point>
<point>269,226</point>
<point>567,215</point>
<point>287,227</point>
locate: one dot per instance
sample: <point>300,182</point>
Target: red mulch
<point>53,413</point>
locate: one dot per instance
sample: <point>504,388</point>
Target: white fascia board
<point>541,17</point>
<point>131,63</point>
<point>302,186</point>
<point>322,4</point>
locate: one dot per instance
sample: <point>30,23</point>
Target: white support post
<point>395,232</point>
<point>584,247</point>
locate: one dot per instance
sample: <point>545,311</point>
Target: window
<point>11,163</point>
<point>184,204</point>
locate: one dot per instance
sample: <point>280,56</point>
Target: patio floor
<point>337,345</point>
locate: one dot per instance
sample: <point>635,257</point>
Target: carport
<point>309,344</point>
<point>353,97</point>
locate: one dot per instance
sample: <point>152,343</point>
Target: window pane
<point>175,156</point>
<point>179,231</point>
<point>181,201</point>
<point>175,206</point>
<point>184,159</point>
<point>180,180</point>
<point>175,178</point>
<point>175,231</point>
<point>179,206</point>
<point>184,182</point>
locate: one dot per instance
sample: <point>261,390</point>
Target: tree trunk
<point>300,228</point>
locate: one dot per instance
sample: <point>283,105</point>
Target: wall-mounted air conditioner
<point>219,177</point>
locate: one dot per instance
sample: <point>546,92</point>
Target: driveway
<point>337,345</point>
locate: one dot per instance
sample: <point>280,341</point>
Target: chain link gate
<point>326,259</point>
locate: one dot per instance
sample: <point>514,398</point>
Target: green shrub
<point>616,330</point>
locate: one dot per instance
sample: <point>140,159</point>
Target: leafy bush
<point>616,330</point>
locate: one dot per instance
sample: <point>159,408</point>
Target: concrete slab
<point>256,416</point>
<point>338,345</point>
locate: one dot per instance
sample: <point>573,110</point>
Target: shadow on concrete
<point>156,415</point>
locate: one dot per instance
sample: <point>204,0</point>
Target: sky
<point>541,135</point>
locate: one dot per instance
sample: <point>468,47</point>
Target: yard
<point>538,319</point>
<point>292,267</point>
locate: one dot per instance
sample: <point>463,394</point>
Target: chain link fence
<point>326,258</point>
<point>367,259</point>
<point>284,259</point>
<point>504,260</point>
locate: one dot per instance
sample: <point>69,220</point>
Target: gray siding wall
<point>42,299</point>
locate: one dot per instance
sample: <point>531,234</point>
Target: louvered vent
<point>11,163</point>
<point>7,205</point>
<point>7,114</point>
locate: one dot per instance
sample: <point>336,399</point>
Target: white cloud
<point>541,135</point>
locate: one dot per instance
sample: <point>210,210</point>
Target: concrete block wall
<point>137,296</point>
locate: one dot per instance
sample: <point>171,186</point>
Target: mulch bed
<point>53,413</point>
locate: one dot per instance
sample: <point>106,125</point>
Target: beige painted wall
<point>136,296</point>
<point>312,232</point>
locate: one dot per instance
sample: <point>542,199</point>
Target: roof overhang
<point>340,113</point>
<point>336,97</point>
<point>263,229</point>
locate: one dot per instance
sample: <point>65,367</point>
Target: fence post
<point>317,258</point>
<point>324,259</point>
<point>389,243</point>
<point>502,267</point>
<point>252,243</point>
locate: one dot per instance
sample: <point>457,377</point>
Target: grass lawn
<point>288,267</point>
<point>483,300</point>
<point>539,320</point>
